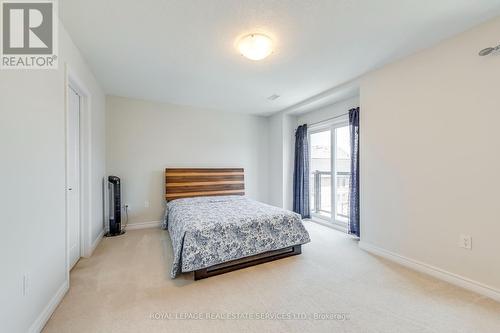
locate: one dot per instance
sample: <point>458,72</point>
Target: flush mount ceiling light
<point>255,46</point>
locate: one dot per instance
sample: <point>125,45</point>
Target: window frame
<point>330,125</point>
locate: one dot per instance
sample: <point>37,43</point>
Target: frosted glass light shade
<point>255,46</point>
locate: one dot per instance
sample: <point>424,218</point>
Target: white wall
<point>32,191</point>
<point>324,113</point>
<point>281,141</point>
<point>143,138</point>
<point>430,156</point>
<point>276,160</point>
<point>289,126</point>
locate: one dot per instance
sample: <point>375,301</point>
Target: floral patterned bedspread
<point>206,231</point>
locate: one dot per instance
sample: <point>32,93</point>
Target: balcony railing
<point>322,191</point>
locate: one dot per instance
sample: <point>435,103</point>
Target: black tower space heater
<point>114,204</point>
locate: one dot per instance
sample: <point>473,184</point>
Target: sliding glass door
<point>320,179</point>
<point>330,172</point>
<point>342,173</point>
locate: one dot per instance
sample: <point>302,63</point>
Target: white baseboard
<point>42,319</point>
<point>436,272</point>
<point>95,243</point>
<point>143,225</point>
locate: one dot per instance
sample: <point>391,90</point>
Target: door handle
<point>70,189</point>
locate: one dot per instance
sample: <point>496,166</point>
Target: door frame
<point>321,127</point>
<point>331,125</point>
<point>72,90</point>
<point>72,80</point>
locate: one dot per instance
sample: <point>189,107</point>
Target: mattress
<point>207,231</point>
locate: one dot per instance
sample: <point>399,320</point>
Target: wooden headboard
<point>186,183</point>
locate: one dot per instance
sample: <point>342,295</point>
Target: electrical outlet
<point>146,204</point>
<point>25,284</point>
<point>466,242</point>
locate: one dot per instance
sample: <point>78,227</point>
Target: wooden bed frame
<point>189,182</point>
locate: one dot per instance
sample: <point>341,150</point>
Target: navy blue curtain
<point>354,182</point>
<point>301,173</point>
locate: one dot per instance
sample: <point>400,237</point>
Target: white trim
<point>330,225</point>
<point>86,244</point>
<point>320,217</point>
<point>333,164</point>
<point>143,225</point>
<point>339,121</point>
<point>42,319</point>
<point>85,160</point>
<point>95,243</point>
<point>436,272</point>
<point>330,125</point>
<point>72,89</point>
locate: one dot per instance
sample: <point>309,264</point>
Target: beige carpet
<point>125,287</point>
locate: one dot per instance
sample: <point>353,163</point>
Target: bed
<point>216,229</point>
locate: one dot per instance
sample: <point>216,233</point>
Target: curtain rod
<point>322,121</point>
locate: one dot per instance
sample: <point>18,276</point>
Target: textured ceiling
<point>183,51</point>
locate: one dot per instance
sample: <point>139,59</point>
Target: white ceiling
<point>183,52</point>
